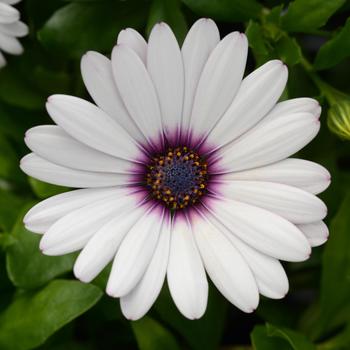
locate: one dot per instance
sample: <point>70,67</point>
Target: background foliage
<point>43,307</point>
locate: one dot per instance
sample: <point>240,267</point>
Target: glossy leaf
<point>335,283</point>
<point>78,27</point>
<point>16,90</point>
<point>202,334</point>
<point>272,337</point>
<point>44,190</point>
<point>151,335</point>
<point>8,159</point>
<point>27,267</point>
<point>33,316</point>
<point>261,341</point>
<point>305,15</point>
<point>258,42</point>
<point>334,50</point>
<point>10,206</point>
<point>295,339</point>
<point>288,50</point>
<point>225,10</point>
<point>168,11</point>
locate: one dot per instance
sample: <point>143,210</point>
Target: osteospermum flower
<point>182,168</point>
<point>10,29</point>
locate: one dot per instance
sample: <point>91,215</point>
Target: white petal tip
<point>206,20</point>
<point>81,278</point>
<point>113,292</point>
<point>51,251</point>
<point>193,317</point>
<point>131,317</point>
<point>32,229</point>
<point>80,274</point>
<point>193,314</point>
<point>46,248</point>
<point>318,111</point>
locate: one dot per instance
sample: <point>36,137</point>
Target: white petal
<point>263,230</point>
<point>292,203</point>
<point>40,217</point>
<point>269,274</point>
<point>10,44</point>
<point>304,174</point>
<point>11,2</point>
<point>91,126</point>
<point>219,82</point>
<point>17,29</point>
<point>46,171</point>
<point>295,105</point>
<point>225,265</point>
<point>186,275</point>
<point>55,145</point>
<point>8,14</point>
<point>257,94</point>
<point>2,60</point>
<point>164,64</point>
<point>137,91</point>
<point>103,245</point>
<point>316,232</point>
<point>74,230</point>
<point>270,142</point>
<point>97,74</point>
<point>199,42</point>
<point>135,253</point>
<point>133,39</point>
<point>136,304</point>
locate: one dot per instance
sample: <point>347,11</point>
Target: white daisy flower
<point>11,28</point>
<point>182,172</point>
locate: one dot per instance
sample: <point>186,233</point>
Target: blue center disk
<point>180,177</point>
<point>177,178</point>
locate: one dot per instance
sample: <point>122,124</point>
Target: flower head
<point>10,29</point>
<point>182,169</point>
<point>339,118</point>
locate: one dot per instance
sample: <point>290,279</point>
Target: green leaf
<point>334,50</point>
<point>33,316</point>
<point>271,337</point>
<point>81,26</point>
<point>168,11</point>
<point>44,190</point>
<point>256,38</point>
<point>16,90</point>
<point>258,42</point>
<point>278,312</point>
<point>339,342</point>
<point>261,341</point>
<point>27,267</point>
<point>307,15</point>
<point>8,159</point>
<point>335,283</point>
<point>151,335</point>
<point>10,206</point>
<point>226,10</point>
<point>201,334</point>
<point>268,41</point>
<point>288,50</point>
<point>295,339</point>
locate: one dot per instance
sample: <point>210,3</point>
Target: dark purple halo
<point>177,173</point>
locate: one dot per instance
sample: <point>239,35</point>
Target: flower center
<point>177,178</point>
